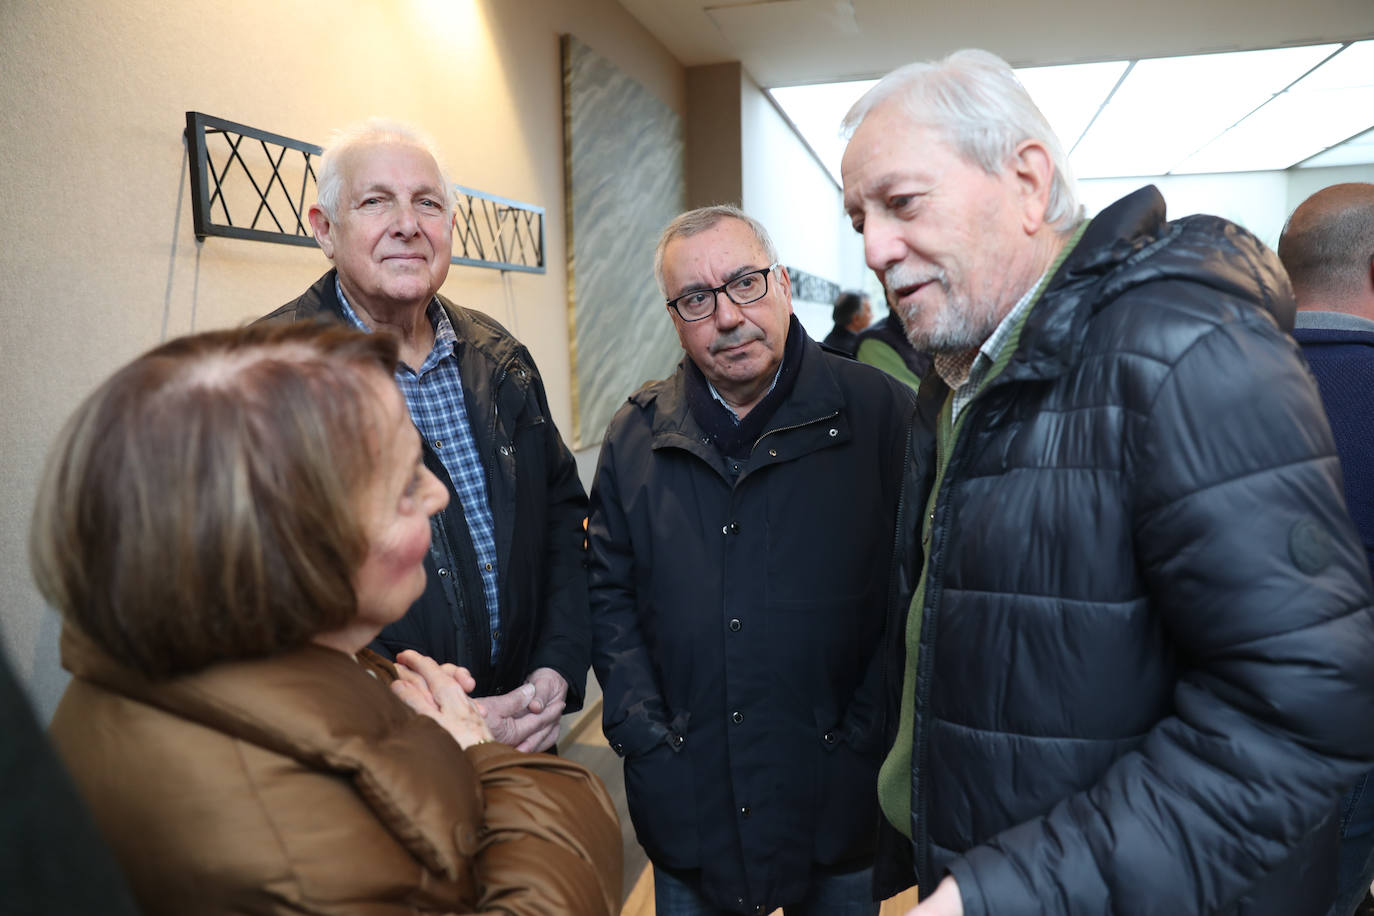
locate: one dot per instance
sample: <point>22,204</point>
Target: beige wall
<point>99,261</point>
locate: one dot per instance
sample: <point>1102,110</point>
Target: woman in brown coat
<point>225,524</point>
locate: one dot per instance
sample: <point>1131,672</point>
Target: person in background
<point>852,313</point>
<point>225,524</point>
<point>1137,668</point>
<point>1327,247</point>
<point>740,547</point>
<point>507,589</point>
<point>885,346</point>
<point>55,860</point>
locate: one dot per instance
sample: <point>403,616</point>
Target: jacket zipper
<point>930,631</point>
<point>495,424</point>
<point>783,429</point>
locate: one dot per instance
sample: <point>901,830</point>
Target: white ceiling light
<point>817,112</point>
<point>1225,112</point>
<point>1323,109</point>
<point>1070,95</point>
<point>1357,151</point>
<point>1167,108</point>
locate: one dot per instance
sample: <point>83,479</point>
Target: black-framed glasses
<point>745,289</point>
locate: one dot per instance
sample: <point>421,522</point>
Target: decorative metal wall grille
<point>250,184</point>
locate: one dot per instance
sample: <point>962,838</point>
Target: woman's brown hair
<point>200,505</point>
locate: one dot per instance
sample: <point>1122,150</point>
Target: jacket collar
<point>474,330</point>
<point>320,707</point>
<point>1131,243</point>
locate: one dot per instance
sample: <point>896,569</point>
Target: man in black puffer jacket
<point>1137,669</point>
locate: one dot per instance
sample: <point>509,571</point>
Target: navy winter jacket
<point>737,609</point>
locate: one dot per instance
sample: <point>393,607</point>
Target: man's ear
<point>1034,173</point>
<point>785,284</point>
<point>319,222</point>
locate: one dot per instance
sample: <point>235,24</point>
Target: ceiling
<point>1229,111</point>
<point>1307,98</point>
<point>793,42</point>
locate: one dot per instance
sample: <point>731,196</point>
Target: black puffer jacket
<point>1147,652</point>
<point>738,611</point>
<point>537,508</point>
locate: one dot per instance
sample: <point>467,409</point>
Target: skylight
<point>1237,111</point>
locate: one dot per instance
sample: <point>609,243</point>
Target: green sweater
<point>894,778</point>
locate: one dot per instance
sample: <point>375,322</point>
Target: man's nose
<point>882,245</point>
<point>727,315</point>
<point>406,225</point>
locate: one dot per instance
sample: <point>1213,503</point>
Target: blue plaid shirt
<point>434,396</point>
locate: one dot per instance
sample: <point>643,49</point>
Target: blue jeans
<point>848,894</point>
<point>1356,868</point>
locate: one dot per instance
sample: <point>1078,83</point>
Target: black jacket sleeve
<point>1252,564</point>
<point>564,642</point>
<point>635,716</point>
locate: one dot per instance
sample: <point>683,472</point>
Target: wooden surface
<point>584,743</point>
<point>640,901</point>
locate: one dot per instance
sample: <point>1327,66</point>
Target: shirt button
<point>734,527</point>
<point>834,432</point>
<point>737,717</point>
<point>487,567</point>
<point>678,740</point>
<point>735,624</point>
<point>744,812</point>
<point>828,738</point>
<point>443,571</point>
<point>438,443</point>
<point>773,452</point>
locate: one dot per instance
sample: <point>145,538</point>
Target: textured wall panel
<point>625,182</point>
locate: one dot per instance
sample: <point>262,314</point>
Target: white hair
<point>701,219</point>
<point>329,179</point>
<point>975,99</point>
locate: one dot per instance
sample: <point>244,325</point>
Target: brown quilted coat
<point>300,784</point>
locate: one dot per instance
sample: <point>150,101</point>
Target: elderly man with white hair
<point>506,595</point>
<point>1137,665</point>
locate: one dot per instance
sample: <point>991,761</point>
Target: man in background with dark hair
<point>1327,247</point>
<point>851,315</point>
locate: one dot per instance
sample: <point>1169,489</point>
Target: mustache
<point>738,337</point>
<point>901,276</point>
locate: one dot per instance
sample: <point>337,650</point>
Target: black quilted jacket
<point>1147,653</point>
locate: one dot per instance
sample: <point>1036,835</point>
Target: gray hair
<point>329,179</point>
<point>696,221</point>
<point>975,99</point>
<point>1327,244</point>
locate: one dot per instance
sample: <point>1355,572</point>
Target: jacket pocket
<point>662,797</point>
<point>846,794</point>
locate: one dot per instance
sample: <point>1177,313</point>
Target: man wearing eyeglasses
<point>739,559</point>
